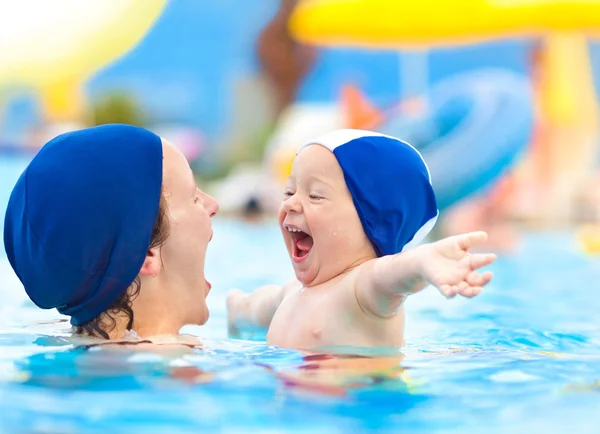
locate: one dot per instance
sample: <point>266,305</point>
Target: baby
<point>357,204</point>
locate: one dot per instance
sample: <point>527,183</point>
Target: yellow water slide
<point>563,83</point>
<point>426,23</point>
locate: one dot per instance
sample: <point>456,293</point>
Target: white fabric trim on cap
<point>421,233</point>
<point>337,138</point>
<point>334,139</point>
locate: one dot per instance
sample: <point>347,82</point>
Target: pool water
<point>522,357</point>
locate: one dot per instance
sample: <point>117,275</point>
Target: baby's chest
<point>303,321</point>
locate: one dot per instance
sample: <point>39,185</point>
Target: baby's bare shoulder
<point>292,287</point>
<point>343,287</point>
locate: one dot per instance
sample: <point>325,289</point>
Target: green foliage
<point>116,107</point>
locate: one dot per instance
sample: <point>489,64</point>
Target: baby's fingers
<point>471,291</point>
<point>233,297</point>
<point>474,283</point>
<point>449,291</point>
<point>479,260</point>
<point>467,241</point>
<point>476,279</point>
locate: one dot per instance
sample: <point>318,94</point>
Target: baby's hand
<point>448,265</point>
<point>233,300</point>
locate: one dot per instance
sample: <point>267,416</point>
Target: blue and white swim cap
<point>80,218</point>
<point>390,185</point>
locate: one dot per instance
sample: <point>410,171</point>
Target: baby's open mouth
<point>302,245</point>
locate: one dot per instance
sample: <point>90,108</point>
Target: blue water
<point>522,357</point>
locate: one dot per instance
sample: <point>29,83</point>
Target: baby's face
<point>320,225</point>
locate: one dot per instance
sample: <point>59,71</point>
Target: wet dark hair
<point>104,323</point>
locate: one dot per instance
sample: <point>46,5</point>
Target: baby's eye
<point>315,197</point>
<point>196,199</point>
<point>288,193</point>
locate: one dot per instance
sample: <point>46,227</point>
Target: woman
<point>107,225</point>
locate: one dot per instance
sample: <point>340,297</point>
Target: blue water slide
<point>477,126</point>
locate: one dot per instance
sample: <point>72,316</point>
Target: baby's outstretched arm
<point>384,283</point>
<point>255,311</point>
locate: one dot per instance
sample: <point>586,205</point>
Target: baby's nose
<point>292,204</point>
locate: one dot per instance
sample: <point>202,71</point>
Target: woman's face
<point>183,254</point>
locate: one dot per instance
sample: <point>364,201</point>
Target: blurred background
<point>499,96</point>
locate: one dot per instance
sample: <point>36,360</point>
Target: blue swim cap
<point>390,185</point>
<point>79,220</point>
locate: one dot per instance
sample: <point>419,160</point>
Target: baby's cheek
<point>280,220</point>
<point>354,241</point>
<point>281,215</point>
<point>337,241</point>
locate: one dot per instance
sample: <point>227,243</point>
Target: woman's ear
<point>152,264</point>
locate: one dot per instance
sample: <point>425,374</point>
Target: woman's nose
<point>211,205</point>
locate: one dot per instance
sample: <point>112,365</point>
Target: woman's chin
<point>199,316</point>
<point>204,317</point>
